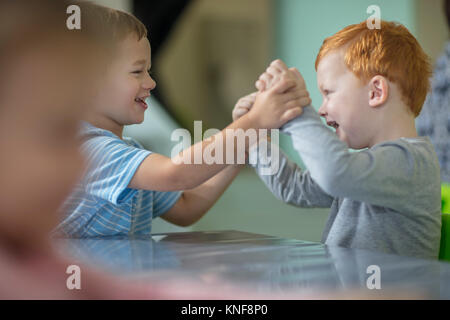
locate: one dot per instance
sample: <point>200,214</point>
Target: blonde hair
<point>391,51</point>
<point>118,24</point>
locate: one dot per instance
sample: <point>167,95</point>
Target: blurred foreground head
<point>48,76</point>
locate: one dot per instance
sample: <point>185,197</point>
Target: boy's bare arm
<point>194,203</point>
<point>272,109</point>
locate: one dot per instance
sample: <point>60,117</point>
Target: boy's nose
<point>322,111</point>
<point>149,83</point>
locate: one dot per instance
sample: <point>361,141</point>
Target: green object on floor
<point>445,197</point>
<point>444,251</point>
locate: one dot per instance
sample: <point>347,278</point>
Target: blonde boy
<point>387,196</point>
<point>127,186</point>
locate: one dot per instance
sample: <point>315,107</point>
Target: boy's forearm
<point>290,183</point>
<point>187,170</point>
<point>202,198</point>
<point>196,202</point>
<point>231,150</point>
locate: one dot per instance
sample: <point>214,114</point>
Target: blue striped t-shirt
<point>101,203</point>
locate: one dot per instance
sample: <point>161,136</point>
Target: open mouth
<point>333,124</point>
<point>141,102</point>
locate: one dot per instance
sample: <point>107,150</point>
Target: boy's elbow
<point>187,220</point>
<point>184,223</point>
<point>330,187</point>
<point>176,180</point>
<point>187,212</point>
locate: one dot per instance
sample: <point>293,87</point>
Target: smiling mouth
<point>141,102</point>
<point>333,124</point>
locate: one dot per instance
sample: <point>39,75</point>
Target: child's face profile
<point>41,104</point>
<point>345,101</point>
<point>127,83</point>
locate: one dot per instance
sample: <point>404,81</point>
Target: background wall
<point>299,29</point>
<point>214,54</point>
<point>125,5</point>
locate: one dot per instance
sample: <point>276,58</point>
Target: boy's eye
<point>140,71</point>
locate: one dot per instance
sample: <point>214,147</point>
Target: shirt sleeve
<point>112,165</point>
<point>289,183</point>
<point>380,175</point>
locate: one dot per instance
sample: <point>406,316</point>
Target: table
<point>261,262</point>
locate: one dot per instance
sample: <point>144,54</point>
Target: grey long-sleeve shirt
<point>385,198</point>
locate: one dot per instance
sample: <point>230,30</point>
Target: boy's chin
<point>356,145</point>
<point>139,121</point>
<point>350,144</point>
<point>135,120</point>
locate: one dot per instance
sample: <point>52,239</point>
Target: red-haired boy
<point>385,197</point>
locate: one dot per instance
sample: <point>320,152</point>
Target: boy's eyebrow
<point>138,62</point>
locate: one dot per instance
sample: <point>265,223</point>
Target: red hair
<point>391,51</point>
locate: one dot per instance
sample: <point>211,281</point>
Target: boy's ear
<point>378,91</point>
